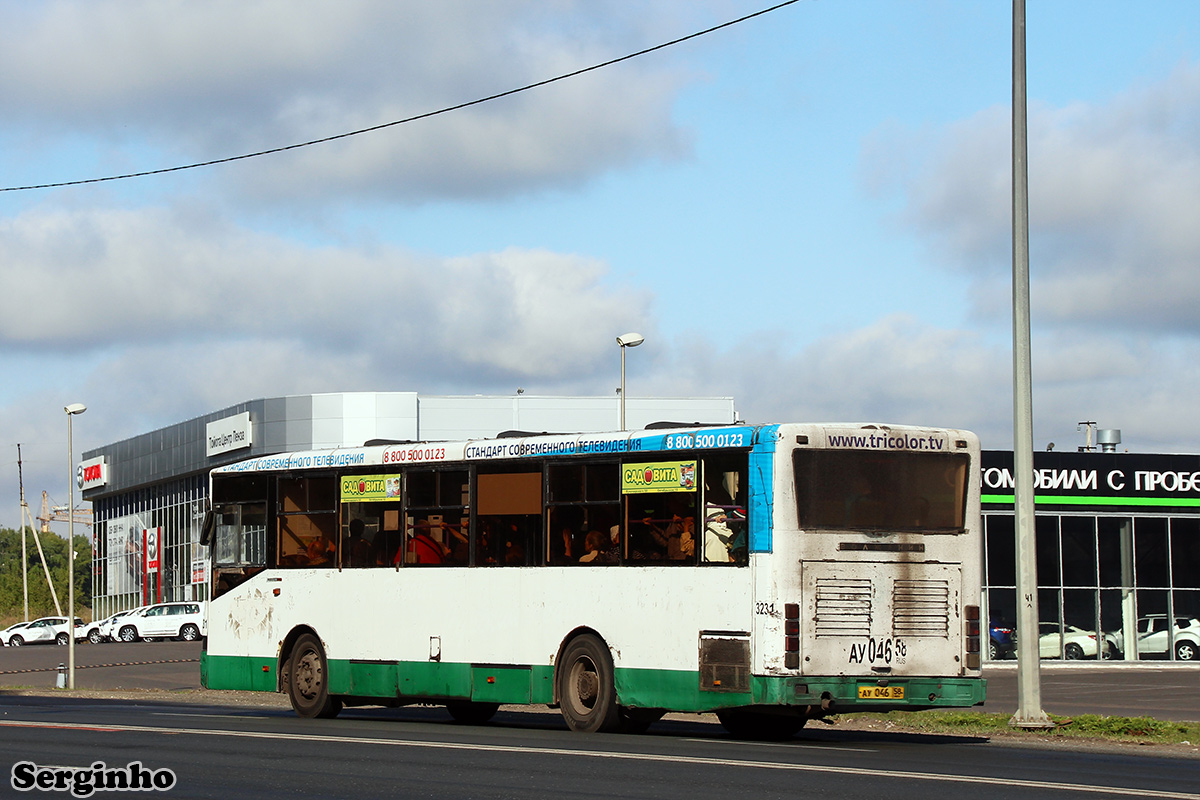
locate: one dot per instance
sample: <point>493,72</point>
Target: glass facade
<point>1118,556</point>
<point>123,573</point>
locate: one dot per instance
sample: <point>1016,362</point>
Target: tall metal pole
<point>622,387</point>
<point>70,556</point>
<point>24,545</point>
<point>1029,692</point>
<point>72,410</point>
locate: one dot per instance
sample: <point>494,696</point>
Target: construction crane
<point>61,514</point>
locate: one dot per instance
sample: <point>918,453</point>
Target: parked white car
<point>1153,637</point>
<point>47,630</point>
<point>10,630</point>
<point>1071,643</point>
<point>164,620</point>
<point>102,630</point>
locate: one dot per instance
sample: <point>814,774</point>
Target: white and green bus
<point>768,573</point>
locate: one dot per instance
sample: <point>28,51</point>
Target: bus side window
<point>308,529</point>
<point>510,518</point>
<point>437,519</point>
<point>726,536</point>
<point>582,511</point>
<point>661,527</point>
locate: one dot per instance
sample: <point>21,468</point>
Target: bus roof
<point>867,436</point>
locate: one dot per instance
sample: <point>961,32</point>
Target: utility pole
<point>1029,686</point>
<point>25,512</point>
<point>24,551</point>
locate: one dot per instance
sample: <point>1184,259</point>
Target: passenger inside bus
<point>568,529</point>
<point>320,552</point>
<point>422,547</point>
<point>598,549</point>
<point>724,519</point>
<point>356,550</point>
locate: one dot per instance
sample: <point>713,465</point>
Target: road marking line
<point>801,745</point>
<point>623,756</point>
<point>233,715</point>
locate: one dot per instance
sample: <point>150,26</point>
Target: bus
<point>770,574</point>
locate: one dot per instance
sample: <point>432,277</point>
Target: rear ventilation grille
<point>921,608</point>
<point>843,607</point>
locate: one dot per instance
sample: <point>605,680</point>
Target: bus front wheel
<point>587,695</point>
<point>308,680</point>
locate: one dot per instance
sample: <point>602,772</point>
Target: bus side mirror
<point>206,529</point>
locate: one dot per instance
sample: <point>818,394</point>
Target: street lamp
<point>626,340</point>
<point>72,410</point>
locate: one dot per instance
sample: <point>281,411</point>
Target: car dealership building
<point>1118,542</point>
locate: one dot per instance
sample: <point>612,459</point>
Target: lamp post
<point>626,340</point>
<point>72,410</point>
<point>1029,680</point>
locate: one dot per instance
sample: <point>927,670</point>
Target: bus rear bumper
<point>841,694</point>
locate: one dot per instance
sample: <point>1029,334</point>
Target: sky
<point>809,211</point>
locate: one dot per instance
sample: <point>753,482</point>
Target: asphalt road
<point>247,751</point>
<point>218,751</point>
<point>1161,690</point>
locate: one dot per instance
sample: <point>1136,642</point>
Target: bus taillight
<point>791,635</point>
<point>971,614</point>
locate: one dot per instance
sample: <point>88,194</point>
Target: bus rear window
<point>892,491</point>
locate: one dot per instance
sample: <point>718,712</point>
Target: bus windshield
<point>873,491</point>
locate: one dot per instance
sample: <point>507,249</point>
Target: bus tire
<point>308,680</point>
<point>469,713</point>
<point>587,696</point>
<point>744,724</point>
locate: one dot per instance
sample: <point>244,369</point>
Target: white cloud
<point>182,82</point>
<point>903,371</point>
<point>129,277</point>
<point>1113,192</point>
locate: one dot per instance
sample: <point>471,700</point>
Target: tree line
<point>41,602</point>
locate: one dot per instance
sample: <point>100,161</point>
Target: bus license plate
<point>881,693</point>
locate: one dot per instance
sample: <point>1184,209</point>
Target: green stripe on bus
<point>677,690</point>
<point>1069,500</point>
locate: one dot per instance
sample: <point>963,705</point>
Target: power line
<point>415,118</point>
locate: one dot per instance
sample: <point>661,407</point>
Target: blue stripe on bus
<point>761,490</point>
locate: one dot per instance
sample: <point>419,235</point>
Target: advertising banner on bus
<point>659,476</point>
<point>371,488</point>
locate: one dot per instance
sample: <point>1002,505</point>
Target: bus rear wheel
<point>744,724</point>
<point>587,695</point>
<point>308,680</point>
